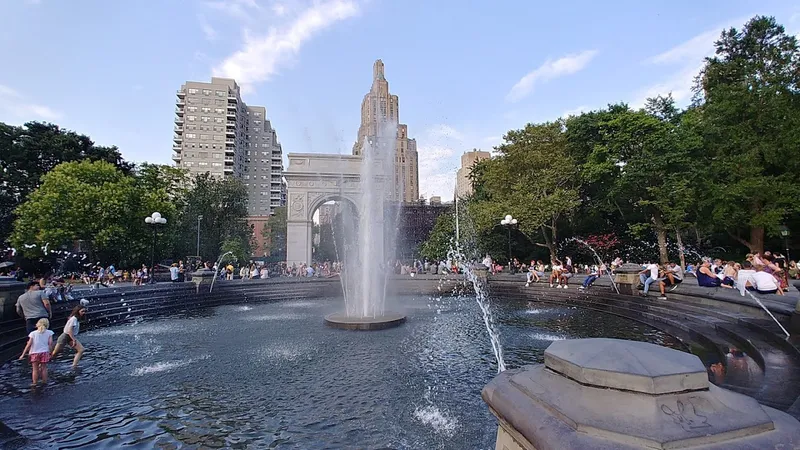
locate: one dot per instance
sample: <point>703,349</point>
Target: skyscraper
<point>381,107</point>
<point>216,132</point>
<point>468,159</point>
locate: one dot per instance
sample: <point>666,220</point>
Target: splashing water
<point>216,271</point>
<point>597,258</point>
<point>366,247</point>
<point>767,311</point>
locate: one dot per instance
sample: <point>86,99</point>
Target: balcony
<point>178,129</point>
<point>179,111</point>
<point>180,102</point>
<point>177,148</point>
<point>177,138</point>
<point>231,113</point>
<point>228,169</point>
<point>232,98</point>
<point>230,141</point>
<point>176,157</point>
<point>229,151</point>
<point>179,120</point>
<point>181,93</point>
<point>230,132</point>
<point>231,123</point>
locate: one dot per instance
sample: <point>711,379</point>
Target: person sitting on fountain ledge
<point>673,276</point>
<point>591,278</point>
<point>555,272</point>
<point>647,277</point>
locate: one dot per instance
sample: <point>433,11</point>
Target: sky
<point>466,72</point>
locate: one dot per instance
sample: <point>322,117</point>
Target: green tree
<point>441,239</point>
<point>93,202</point>
<point>748,96</point>
<point>533,179</point>
<point>275,233</point>
<point>223,207</point>
<point>28,152</point>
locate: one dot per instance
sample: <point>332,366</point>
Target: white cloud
<point>239,9</point>
<point>262,57</point>
<point>444,131</point>
<point>439,149</point>
<point>279,9</point>
<point>687,58</point>
<point>208,31</point>
<point>551,69</point>
<point>15,105</point>
<point>575,111</point>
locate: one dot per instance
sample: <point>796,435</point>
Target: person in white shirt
<point>763,282</point>
<point>71,330</point>
<point>555,272</point>
<point>744,277</point>
<point>40,341</point>
<point>648,276</point>
<point>672,277</point>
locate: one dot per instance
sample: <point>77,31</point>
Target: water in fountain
<point>465,254</point>
<point>767,311</point>
<point>216,271</point>
<point>368,245</point>
<point>598,259</point>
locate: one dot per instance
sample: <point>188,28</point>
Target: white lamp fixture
<point>155,218</point>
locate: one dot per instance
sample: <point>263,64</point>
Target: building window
<point>202,163</point>
<point>217,155</point>
<point>219,102</point>
<point>191,118</point>
<point>258,114</point>
<point>191,108</point>
<point>222,94</point>
<point>192,91</point>
<point>204,137</point>
<point>206,109</point>
<point>205,118</point>
<point>190,135</point>
<point>206,91</point>
<point>216,164</point>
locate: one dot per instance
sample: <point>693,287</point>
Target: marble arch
<point>313,179</point>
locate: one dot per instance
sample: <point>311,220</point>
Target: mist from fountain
<point>369,244</point>
<point>597,259</point>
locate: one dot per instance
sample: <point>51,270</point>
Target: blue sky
<point>466,72</point>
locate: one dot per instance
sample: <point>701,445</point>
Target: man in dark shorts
<point>673,276</point>
<point>33,305</point>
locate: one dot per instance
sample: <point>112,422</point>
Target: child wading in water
<point>71,330</point>
<point>40,342</point>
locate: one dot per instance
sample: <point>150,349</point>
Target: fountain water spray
<point>767,311</point>
<point>597,257</point>
<point>216,271</point>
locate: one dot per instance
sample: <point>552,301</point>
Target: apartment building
<point>217,133</point>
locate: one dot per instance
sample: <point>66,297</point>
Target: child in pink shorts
<point>40,343</point>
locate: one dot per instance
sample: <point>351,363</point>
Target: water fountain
<point>216,270</point>
<point>598,259</point>
<point>368,244</point>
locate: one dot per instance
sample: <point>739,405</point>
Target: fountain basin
<point>389,320</point>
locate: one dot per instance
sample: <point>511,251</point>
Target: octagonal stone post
<point>202,278</point>
<point>626,278</point>
<point>614,394</point>
<point>10,290</point>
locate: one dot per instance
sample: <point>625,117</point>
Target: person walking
<point>32,306</point>
<point>69,336</point>
<point>40,341</point>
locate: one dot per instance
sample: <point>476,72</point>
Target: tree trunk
<point>661,232</point>
<point>548,242</point>
<point>681,255</point>
<point>756,243</point>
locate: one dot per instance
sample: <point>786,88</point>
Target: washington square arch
<point>312,180</point>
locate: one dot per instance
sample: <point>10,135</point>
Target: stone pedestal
<point>626,278</point>
<point>202,279</point>
<point>10,290</point>
<point>615,394</point>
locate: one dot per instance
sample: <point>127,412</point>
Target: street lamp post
<point>508,222</point>
<point>154,220</point>
<point>199,218</point>
<point>785,235</point>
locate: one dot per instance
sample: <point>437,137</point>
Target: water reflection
<point>271,375</point>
